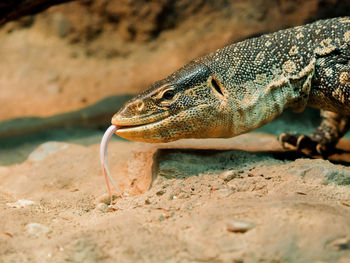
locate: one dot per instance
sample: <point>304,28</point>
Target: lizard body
<point>244,85</point>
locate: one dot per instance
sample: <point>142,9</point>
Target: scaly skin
<point>243,86</point>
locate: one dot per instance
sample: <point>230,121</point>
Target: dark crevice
<point>11,10</point>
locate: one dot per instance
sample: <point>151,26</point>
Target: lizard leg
<point>333,126</point>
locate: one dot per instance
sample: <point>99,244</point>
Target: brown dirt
<point>299,210</point>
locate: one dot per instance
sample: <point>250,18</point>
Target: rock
<point>238,226</point>
<point>36,229</point>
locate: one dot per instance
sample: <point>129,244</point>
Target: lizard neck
<point>257,95</point>
<point>261,104</point>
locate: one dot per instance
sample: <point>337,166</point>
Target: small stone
<point>53,77</point>
<point>184,195</point>
<point>112,208</point>
<point>54,89</point>
<point>105,199</point>
<point>187,207</point>
<point>341,244</point>
<point>8,234</point>
<point>61,24</point>
<point>147,202</point>
<point>343,202</point>
<point>36,229</point>
<point>238,226</point>
<point>250,174</point>
<point>228,175</point>
<point>172,196</point>
<point>222,193</point>
<point>102,207</point>
<point>21,203</point>
<point>161,192</point>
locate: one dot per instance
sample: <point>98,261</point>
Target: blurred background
<point>66,70</point>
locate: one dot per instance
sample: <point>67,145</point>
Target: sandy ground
<point>236,200</point>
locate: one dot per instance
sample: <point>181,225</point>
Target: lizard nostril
<point>140,105</point>
<point>214,83</point>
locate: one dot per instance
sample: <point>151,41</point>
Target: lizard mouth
<point>128,123</point>
<point>137,132</point>
<point>128,130</point>
<point>160,129</point>
<point>121,127</point>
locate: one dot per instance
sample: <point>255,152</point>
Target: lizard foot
<point>306,144</point>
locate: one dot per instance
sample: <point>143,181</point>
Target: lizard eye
<point>168,95</point>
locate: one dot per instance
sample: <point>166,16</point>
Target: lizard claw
<point>287,138</point>
<point>305,144</point>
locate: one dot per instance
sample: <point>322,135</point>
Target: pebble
<point>228,175</point>
<point>21,203</point>
<point>161,192</point>
<point>53,77</point>
<point>105,199</point>
<point>36,229</point>
<point>54,89</point>
<point>62,24</point>
<point>239,226</point>
<point>341,243</point>
<point>343,202</point>
<point>102,207</point>
<point>222,193</point>
<point>172,196</point>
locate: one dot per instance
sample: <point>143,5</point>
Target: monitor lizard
<point>245,85</point>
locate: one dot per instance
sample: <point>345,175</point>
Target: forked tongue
<point>104,162</point>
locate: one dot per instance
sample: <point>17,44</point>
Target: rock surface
<point>76,54</point>
<point>236,200</point>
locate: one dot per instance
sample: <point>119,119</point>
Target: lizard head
<point>190,103</point>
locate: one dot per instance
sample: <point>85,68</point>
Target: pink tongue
<point>103,156</point>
